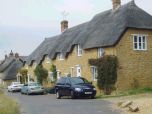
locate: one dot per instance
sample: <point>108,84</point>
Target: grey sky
<point>25,23</point>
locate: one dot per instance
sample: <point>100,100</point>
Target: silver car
<point>32,88</point>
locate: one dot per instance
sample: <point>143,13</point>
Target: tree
<point>23,73</point>
<point>54,72</point>
<point>107,72</point>
<point>41,73</point>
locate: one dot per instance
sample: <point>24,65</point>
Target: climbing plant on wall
<point>107,72</point>
<point>54,72</point>
<point>41,73</point>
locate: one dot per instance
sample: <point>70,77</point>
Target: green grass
<point>126,93</point>
<point>8,105</point>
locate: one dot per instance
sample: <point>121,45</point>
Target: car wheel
<point>22,93</point>
<point>58,95</point>
<point>72,95</point>
<point>42,93</point>
<point>28,93</point>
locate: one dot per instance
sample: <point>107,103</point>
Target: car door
<point>25,88</point>
<point>67,87</point>
<point>60,85</point>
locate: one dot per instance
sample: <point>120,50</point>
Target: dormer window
<point>100,52</point>
<point>48,60</point>
<point>60,56</point>
<point>34,64</point>
<point>139,42</point>
<point>79,50</point>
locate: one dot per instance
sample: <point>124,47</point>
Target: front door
<point>78,71</point>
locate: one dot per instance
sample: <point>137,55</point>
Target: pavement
<point>48,104</point>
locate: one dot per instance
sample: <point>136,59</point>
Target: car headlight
<point>94,88</point>
<point>78,89</point>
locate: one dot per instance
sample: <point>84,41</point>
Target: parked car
<point>32,88</point>
<point>15,86</point>
<point>74,87</point>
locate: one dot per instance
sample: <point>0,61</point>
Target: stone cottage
<point>9,68</point>
<point>124,31</point>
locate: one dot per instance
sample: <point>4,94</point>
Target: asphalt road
<point>48,104</point>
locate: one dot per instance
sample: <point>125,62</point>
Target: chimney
<point>116,4</point>
<point>64,25</point>
<point>11,54</point>
<point>6,56</point>
<point>16,55</point>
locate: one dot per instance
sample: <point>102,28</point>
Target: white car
<point>15,86</point>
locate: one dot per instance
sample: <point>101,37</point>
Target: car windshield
<point>76,81</point>
<point>16,83</point>
<point>33,84</point>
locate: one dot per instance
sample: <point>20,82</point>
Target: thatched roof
<point>104,30</point>
<point>10,66</point>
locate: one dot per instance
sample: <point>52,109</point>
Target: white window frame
<point>100,52</point>
<point>34,64</point>
<point>60,56</point>
<point>79,50</point>
<point>94,72</point>
<point>26,67</point>
<point>141,43</point>
<point>58,74</point>
<point>51,76</point>
<point>48,60</point>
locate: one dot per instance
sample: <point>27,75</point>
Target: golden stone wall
<point>135,67</point>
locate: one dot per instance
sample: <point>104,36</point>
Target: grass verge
<point>8,105</point>
<point>126,93</point>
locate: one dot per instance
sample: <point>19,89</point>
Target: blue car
<point>74,87</point>
<point>32,88</point>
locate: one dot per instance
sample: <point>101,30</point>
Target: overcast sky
<point>25,23</point>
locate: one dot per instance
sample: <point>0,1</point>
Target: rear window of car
<point>78,80</point>
<point>61,81</point>
<point>15,83</point>
<point>34,84</point>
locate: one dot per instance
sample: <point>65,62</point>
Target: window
<point>139,42</point>
<point>94,72</point>
<point>48,60</point>
<point>79,50</point>
<point>58,74</point>
<point>34,64</point>
<point>51,76</point>
<point>60,56</point>
<point>100,52</point>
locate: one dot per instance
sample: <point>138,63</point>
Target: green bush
<point>107,72</point>
<point>23,73</point>
<point>54,71</point>
<point>41,73</point>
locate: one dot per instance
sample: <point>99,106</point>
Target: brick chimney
<point>64,25</point>
<point>6,56</point>
<point>16,55</point>
<point>11,54</point>
<point>116,4</point>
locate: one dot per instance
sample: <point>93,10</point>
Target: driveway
<point>48,104</point>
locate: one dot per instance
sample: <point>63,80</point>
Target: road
<point>48,104</point>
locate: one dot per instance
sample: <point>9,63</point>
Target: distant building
<point>9,68</point>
